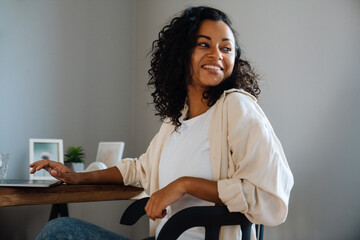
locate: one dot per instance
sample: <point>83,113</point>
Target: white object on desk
<point>110,153</point>
<point>95,166</point>
<point>45,149</point>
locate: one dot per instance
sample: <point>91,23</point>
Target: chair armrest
<point>134,212</point>
<point>212,218</point>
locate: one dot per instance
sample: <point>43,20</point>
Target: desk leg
<point>59,209</point>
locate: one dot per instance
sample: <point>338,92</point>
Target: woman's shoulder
<point>239,96</point>
<point>241,105</point>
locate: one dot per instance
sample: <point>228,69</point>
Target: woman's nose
<point>215,53</point>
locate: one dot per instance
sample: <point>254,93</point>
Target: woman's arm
<point>105,176</point>
<point>201,188</point>
<point>65,174</point>
<point>261,182</point>
<point>197,187</point>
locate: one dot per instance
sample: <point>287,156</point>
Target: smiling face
<point>213,58</point>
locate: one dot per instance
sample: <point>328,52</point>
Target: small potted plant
<point>74,158</point>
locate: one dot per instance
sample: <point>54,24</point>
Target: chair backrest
<point>211,218</point>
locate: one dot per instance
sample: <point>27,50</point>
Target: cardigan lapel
<point>216,140</point>
<point>218,136</point>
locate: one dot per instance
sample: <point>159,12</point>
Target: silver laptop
<point>28,183</point>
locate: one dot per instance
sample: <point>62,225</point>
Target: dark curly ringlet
<point>171,64</point>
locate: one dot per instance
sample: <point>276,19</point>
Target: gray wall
<point>66,72</point>
<point>88,59</point>
<point>308,54</point>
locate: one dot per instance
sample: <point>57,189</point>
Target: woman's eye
<point>227,49</point>
<point>203,44</point>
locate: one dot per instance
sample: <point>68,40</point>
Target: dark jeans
<point>66,228</point>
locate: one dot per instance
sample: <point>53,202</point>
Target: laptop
<point>28,183</point>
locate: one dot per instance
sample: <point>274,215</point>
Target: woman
<point>215,145</point>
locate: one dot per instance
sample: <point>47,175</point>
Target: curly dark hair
<point>171,64</point>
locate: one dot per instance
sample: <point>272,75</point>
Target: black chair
<point>211,218</point>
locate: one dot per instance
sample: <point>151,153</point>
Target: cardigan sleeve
<point>260,181</point>
<point>137,171</point>
<point>143,171</point>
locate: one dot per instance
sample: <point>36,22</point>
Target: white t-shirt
<point>187,153</point>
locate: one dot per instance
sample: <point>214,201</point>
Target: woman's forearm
<point>201,188</point>
<point>107,176</point>
<point>197,187</point>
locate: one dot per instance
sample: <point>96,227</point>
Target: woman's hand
<point>160,200</point>
<point>198,187</point>
<point>57,170</point>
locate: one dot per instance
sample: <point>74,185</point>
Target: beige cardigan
<point>247,160</point>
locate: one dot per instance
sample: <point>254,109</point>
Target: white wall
<point>82,66</point>
<point>65,72</point>
<point>308,54</point>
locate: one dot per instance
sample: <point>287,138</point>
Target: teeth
<point>211,67</point>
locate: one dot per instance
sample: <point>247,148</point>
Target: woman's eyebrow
<point>203,36</point>
<point>209,38</point>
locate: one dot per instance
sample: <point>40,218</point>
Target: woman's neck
<point>197,104</point>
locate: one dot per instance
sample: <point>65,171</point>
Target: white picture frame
<point>110,153</point>
<point>52,149</point>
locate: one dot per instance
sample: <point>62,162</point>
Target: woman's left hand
<point>198,187</point>
<point>160,200</point>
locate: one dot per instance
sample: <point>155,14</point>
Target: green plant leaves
<point>74,154</point>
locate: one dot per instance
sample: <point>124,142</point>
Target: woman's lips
<point>212,67</point>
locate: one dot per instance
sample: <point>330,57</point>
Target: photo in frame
<point>41,149</point>
<point>110,153</point>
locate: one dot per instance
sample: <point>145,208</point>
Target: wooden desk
<point>66,194</point>
<point>60,195</point>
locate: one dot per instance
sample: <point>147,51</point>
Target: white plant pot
<point>77,167</point>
